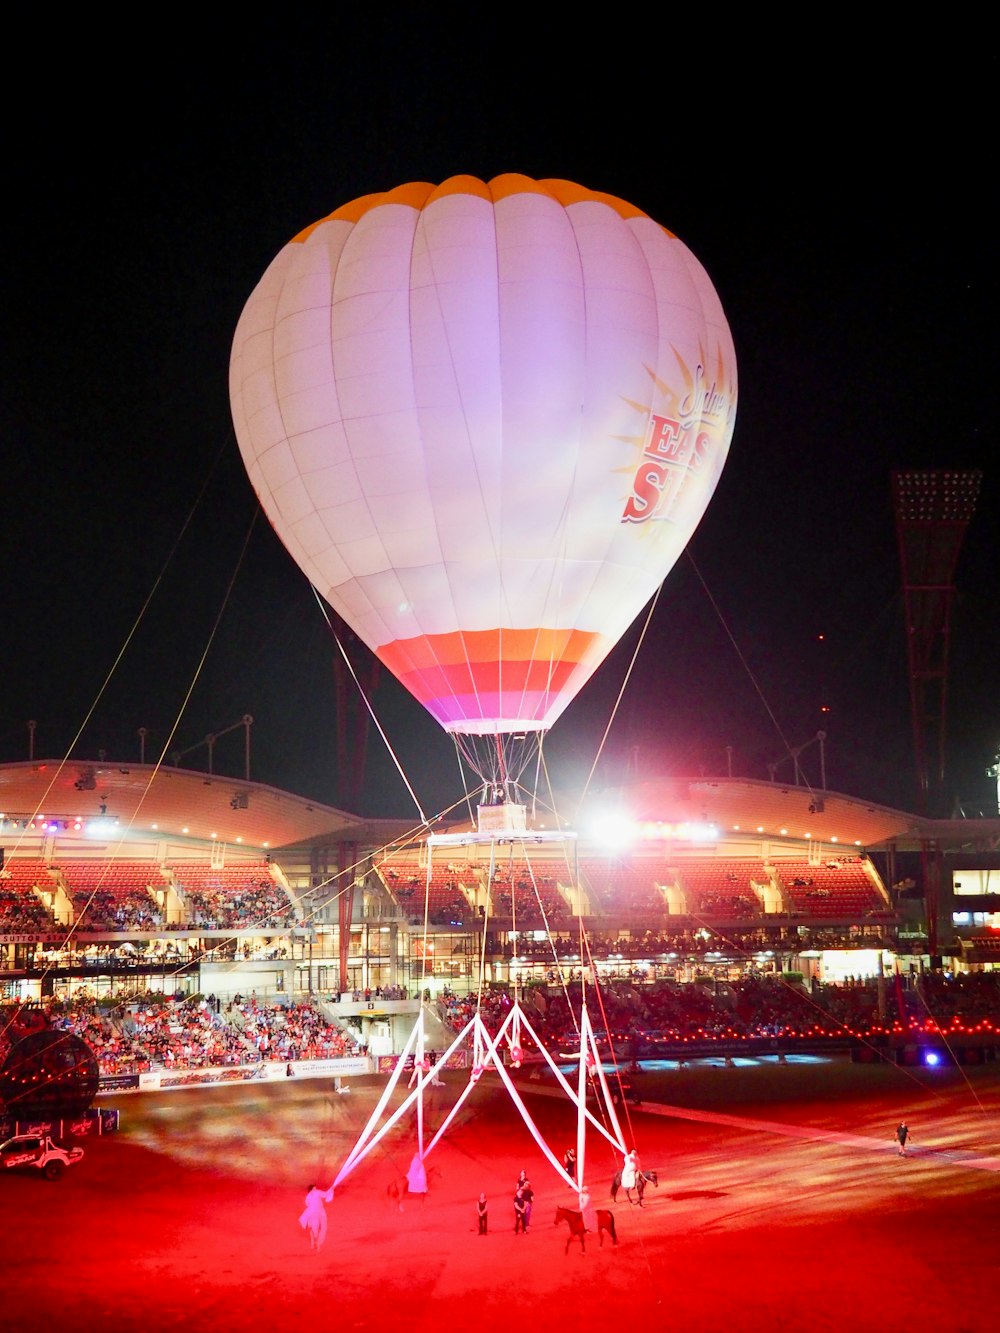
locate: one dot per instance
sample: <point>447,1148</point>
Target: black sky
<point>839,195</point>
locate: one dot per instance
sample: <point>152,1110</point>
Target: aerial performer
<point>485,418</point>
<point>313,1216</point>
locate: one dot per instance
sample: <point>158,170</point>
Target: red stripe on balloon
<point>441,669</point>
<point>471,647</point>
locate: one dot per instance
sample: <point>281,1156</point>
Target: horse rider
<point>631,1170</point>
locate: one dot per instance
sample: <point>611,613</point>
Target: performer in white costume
<point>313,1216</point>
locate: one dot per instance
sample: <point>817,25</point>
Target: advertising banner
<point>88,1125</point>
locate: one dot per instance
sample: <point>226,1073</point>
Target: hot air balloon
<point>485,419</point>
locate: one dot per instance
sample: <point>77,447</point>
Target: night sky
<point>838,197</point>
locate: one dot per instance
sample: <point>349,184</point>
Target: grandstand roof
<point>181,803</point>
<point>747,808</point>
<point>172,802</point>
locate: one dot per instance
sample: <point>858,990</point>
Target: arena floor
<point>782,1202</point>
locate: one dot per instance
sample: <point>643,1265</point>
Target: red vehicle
<point>38,1151</point>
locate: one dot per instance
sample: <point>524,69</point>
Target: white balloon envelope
<point>485,419</point>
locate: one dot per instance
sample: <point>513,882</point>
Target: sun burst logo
<point>682,440</point>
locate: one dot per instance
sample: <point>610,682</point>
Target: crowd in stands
<point>157,955</point>
<point>175,1032</point>
<point>288,1031</point>
<point>687,943</point>
<point>379,993</point>
<point>969,998</point>
<point>103,899</point>
<point>104,910</point>
<point>457,1010</point>
<point>185,1036</point>
<point>117,1051</point>
<point>736,905</point>
<point>21,912</point>
<point>261,902</point>
<point>159,1032</point>
<point>636,1019</point>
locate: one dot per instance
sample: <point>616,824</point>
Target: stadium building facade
<point>135,879</point>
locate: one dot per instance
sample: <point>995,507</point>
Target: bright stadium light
<point>102,826</point>
<point>704,833</point>
<point>613,831</point>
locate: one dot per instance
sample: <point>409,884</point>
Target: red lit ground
<point>795,1213</point>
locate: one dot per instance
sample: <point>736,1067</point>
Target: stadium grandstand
<point>179,891</point>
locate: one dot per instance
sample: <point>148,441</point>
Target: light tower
<point>933,511</point>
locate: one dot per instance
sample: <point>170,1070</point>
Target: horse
<point>577,1231</point>
<point>398,1191</point>
<point>642,1179</point>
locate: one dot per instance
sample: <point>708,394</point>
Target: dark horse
<point>577,1231</point>
<point>642,1179</point>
